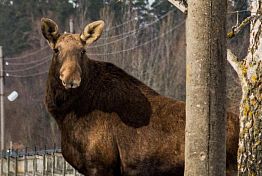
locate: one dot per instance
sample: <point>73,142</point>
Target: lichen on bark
<point>250,148</point>
<point>249,71</point>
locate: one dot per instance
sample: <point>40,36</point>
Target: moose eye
<point>56,50</point>
<point>83,52</point>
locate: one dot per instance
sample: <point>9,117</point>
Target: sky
<point>151,1</point>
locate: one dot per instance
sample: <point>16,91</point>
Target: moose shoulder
<point>110,122</point>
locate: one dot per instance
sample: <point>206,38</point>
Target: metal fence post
<point>8,162</point>
<point>2,161</point>
<point>34,162</point>
<point>64,167</point>
<point>16,163</point>
<point>53,162</point>
<point>44,160</point>
<point>25,162</point>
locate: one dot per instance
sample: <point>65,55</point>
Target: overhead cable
<point>26,63</point>
<point>125,50</point>
<point>27,68</point>
<point>132,32</point>
<point>133,19</point>
<point>26,55</point>
<point>26,76</point>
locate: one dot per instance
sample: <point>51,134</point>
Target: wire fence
<point>47,162</point>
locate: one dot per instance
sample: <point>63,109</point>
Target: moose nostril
<point>61,75</point>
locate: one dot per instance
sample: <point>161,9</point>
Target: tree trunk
<point>205,152</point>
<point>249,71</point>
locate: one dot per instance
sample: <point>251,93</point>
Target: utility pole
<point>205,144</point>
<point>2,99</point>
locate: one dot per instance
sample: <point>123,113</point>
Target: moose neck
<point>61,101</point>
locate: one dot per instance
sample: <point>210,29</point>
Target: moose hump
<point>118,92</point>
<point>103,87</point>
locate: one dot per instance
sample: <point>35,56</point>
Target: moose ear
<point>50,31</point>
<point>92,32</point>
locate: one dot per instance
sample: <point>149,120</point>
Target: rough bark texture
<point>205,86</point>
<point>249,71</point>
<point>250,148</point>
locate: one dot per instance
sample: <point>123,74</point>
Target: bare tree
<point>205,152</point>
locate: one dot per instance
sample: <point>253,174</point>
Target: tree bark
<point>205,152</point>
<point>249,71</point>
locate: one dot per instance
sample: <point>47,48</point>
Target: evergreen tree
<point>161,7</point>
<point>141,8</point>
<point>18,19</point>
<point>15,27</point>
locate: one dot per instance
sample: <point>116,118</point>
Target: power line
<point>117,26</point>
<point>135,18</point>
<point>129,49</point>
<point>25,76</point>
<point>117,52</point>
<point>26,55</point>
<point>37,51</point>
<point>41,63</point>
<point>28,68</point>
<point>114,36</point>
<point>238,11</point>
<point>132,32</point>
<point>25,63</point>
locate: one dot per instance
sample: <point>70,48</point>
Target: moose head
<point>69,49</point>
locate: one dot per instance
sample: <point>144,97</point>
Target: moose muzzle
<point>71,78</point>
<point>71,84</point>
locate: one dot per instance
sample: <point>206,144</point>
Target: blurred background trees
<point>145,38</point>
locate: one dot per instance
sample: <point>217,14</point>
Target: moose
<point>111,123</point>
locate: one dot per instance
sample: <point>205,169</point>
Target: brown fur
<point>113,124</point>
